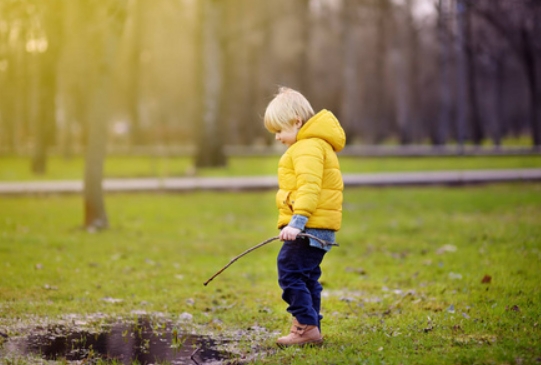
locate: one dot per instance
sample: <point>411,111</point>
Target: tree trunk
<point>415,56</point>
<point>380,108</point>
<point>103,43</point>
<point>210,151</point>
<point>442,129</point>
<point>351,94</point>
<point>95,214</point>
<point>46,56</point>
<point>461,75</point>
<point>134,66</point>
<point>473,100</point>
<point>523,40</point>
<point>400,58</point>
<point>497,78</point>
<point>533,75</point>
<point>72,78</point>
<point>14,96</point>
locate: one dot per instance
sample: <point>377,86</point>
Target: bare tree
<point>403,60</point>
<point>31,44</point>
<point>477,130</point>
<point>14,76</point>
<point>330,28</point>
<point>46,63</point>
<point>384,71</point>
<point>244,29</point>
<point>444,118</point>
<point>381,115</point>
<point>73,63</point>
<point>351,96</point>
<point>518,23</point>
<point>462,94</point>
<point>133,39</point>
<point>102,33</point>
<point>209,142</point>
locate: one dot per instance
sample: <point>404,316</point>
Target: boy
<point>309,200</point>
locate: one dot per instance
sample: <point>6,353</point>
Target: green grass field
<point>18,168</point>
<point>404,287</point>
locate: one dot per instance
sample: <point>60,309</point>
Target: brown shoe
<point>300,335</point>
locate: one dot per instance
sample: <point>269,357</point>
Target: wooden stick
<point>324,243</point>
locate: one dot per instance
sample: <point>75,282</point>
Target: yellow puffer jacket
<point>309,178</point>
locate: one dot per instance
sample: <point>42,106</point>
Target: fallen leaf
<point>514,308</point>
<point>486,279</point>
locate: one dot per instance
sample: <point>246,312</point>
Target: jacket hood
<point>325,126</point>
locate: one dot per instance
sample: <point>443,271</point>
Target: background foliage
<point>409,70</point>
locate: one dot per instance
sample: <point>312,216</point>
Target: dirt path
<point>269,182</point>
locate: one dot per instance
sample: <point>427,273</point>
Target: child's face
<point>288,135</point>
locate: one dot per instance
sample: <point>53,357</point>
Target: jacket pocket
<point>282,199</point>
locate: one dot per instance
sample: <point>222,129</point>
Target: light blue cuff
<point>323,234</point>
<point>298,221</point>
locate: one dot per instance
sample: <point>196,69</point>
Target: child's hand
<point>289,233</point>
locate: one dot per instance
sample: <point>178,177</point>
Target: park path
<point>180,184</point>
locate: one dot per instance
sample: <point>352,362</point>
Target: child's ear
<point>298,122</point>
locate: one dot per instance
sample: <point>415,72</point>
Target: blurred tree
<point>477,130</point>
<point>290,33</point>
<point>491,54</point>
<point>72,88</point>
<point>134,31</point>
<point>45,46</point>
<point>386,70</point>
<point>414,54</point>
<point>461,69</point>
<point>441,130</point>
<point>327,69</point>
<point>351,103</point>
<point>404,61</point>
<point>381,110</point>
<point>518,22</point>
<point>102,32</point>
<point>210,151</point>
<point>15,21</point>
<point>30,38</point>
<point>243,29</point>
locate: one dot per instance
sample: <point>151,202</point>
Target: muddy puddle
<point>143,342</point>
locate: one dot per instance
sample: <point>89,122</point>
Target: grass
<point>404,287</point>
<point>58,168</point>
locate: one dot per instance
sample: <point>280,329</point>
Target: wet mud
<point>143,342</point>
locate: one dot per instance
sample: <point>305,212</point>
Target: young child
<point>309,200</point>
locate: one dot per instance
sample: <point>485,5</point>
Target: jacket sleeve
<point>298,221</point>
<point>308,163</point>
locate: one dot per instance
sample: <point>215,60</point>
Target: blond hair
<point>285,109</point>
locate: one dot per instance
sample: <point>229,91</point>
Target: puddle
<point>143,343</point>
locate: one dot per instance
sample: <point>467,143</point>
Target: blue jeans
<point>298,274</point>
